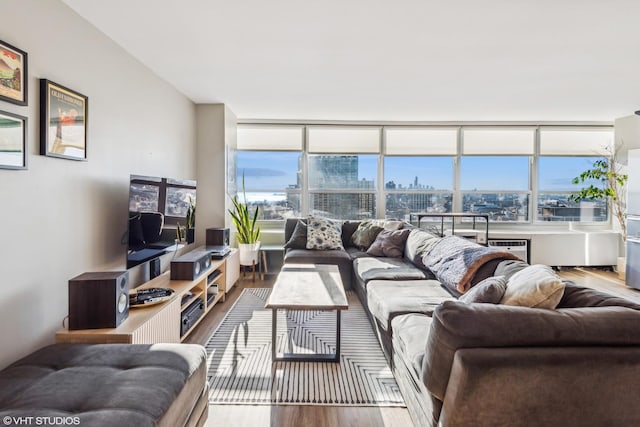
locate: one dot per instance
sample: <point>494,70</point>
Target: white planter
<point>249,253</point>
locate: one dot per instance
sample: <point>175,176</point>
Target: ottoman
<point>108,385</point>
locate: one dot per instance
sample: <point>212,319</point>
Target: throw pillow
<point>298,239</point>
<point>365,234</point>
<point>389,243</point>
<point>490,290</point>
<point>324,233</point>
<point>535,286</point>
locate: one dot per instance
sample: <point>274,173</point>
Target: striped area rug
<point>240,370</point>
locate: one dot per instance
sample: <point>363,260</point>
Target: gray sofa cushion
<point>579,296</point>
<point>107,384</point>
<point>298,239</point>
<point>410,333</point>
<point>458,325</point>
<point>418,242</point>
<point>389,243</point>
<point>490,291</point>
<point>389,298</point>
<point>337,257</point>
<point>381,268</point>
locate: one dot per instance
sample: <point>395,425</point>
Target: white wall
<point>60,217</point>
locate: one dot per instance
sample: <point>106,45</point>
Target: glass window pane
<point>343,172</point>
<point>344,139</point>
<point>274,206</point>
<point>498,141</point>
<point>400,205</point>
<point>343,205</point>
<point>556,173</point>
<point>494,173</point>
<point>255,137</point>
<point>499,206</point>
<point>579,142</point>
<point>418,173</point>
<point>421,141</point>
<point>264,170</point>
<point>558,207</point>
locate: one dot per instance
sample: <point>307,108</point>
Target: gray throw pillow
<point>324,234</point>
<point>535,286</point>
<point>365,234</point>
<point>298,239</point>
<point>490,290</point>
<point>389,243</point>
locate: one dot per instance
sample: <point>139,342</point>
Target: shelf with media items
<point>171,320</point>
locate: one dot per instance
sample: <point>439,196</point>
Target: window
<point>272,182</point>
<point>554,187</point>
<point>343,186</point>
<point>513,173</point>
<point>496,185</point>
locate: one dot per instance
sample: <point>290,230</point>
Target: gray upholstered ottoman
<point>109,385</point>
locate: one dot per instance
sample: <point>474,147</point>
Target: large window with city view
<point>518,174</point>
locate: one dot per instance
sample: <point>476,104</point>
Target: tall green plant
<point>611,187</point>
<point>246,229</point>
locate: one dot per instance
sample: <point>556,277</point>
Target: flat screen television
<point>157,212</point>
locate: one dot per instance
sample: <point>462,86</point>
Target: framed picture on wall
<point>63,122</point>
<point>13,141</point>
<point>13,74</point>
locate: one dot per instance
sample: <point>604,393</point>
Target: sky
<point>278,170</point>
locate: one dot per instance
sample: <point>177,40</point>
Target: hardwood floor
<point>330,416</point>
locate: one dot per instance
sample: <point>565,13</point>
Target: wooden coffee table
<point>307,287</point>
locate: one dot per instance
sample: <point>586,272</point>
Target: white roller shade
<point>576,142</point>
<point>421,141</point>
<point>344,139</point>
<point>272,138</point>
<point>498,141</point>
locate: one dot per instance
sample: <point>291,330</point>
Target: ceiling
<point>383,60</point>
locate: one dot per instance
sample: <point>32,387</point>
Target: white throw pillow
<point>534,286</point>
<point>324,233</point>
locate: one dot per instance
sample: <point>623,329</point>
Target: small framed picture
<point>13,74</point>
<point>63,122</point>
<point>13,141</point>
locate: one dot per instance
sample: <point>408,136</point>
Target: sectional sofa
<point>468,349</point>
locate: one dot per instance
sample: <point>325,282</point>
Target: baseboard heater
<point>519,248</point>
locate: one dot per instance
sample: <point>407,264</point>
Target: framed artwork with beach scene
<point>13,74</point>
<point>63,122</point>
<point>13,141</point>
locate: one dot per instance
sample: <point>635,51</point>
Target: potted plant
<point>247,232</point>
<point>191,220</point>
<point>610,187</point>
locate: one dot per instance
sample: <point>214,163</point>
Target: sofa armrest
<point>457,325</point>
<point>546,386</point>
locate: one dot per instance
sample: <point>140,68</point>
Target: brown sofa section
<point>109,385</point>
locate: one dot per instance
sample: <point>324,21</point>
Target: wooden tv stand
<point>161,322</point>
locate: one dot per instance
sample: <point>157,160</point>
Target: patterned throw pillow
<point>365,234</point>
<point>323,233</point>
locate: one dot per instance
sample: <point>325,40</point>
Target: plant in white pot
<point>247,231</point>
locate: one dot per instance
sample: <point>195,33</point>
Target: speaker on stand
<point>98,300</point>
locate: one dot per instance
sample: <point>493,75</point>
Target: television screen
<point>158,216</point>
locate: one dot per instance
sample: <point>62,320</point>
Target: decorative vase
<point>622,267</point>
<point>249,253</point>
<point>191,235</point>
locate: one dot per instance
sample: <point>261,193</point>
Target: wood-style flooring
<point>333,416</point>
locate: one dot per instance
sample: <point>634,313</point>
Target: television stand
<point>162,322</point>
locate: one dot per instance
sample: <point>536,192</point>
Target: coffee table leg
<point>274,317</point>
<point>338,329</point>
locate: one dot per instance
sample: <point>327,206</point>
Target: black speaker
<point>98,300</point>
<point>190,265</point>
<point>154,268</point>
<point>217,237</point>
